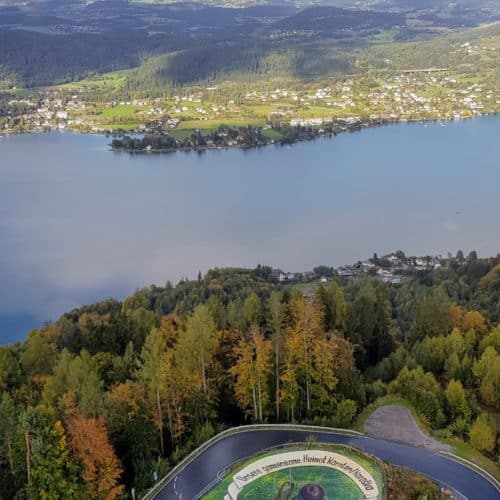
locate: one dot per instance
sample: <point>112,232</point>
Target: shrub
<point>482,436</point>
<point>346,411</point>
<point>422,390</point>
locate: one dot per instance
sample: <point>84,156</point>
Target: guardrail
<point>256,427</point>
<point>234,430</point>
<point>225,470</point>
<point>471,465</point>
<point>299,444</point>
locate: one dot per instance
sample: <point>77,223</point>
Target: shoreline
<point>316,130</point>
<point>317,133</point>
<point>244,147</point>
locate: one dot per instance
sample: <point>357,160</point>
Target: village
<point>390,268</point>
<point>410,95</point>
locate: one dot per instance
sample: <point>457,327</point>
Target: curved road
<point>203,469</point>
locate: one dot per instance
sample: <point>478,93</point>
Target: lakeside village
<point>227,115</point>
<point>391,268</point>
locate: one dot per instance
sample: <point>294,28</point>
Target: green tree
<point>235,318</point>
<point>345,413</point>
<point>10,371</point>
<point>152,355</point>
<point>487,373</point>
<point>433,316</point>
<point>453,367</point>
<point>430,354</point>
<point>252,310</point>
<point>195,346</point>
<point>54,471</point>
<point>482,435</point>
<point>492,339</point>
<point>39,355</point>
<point>218,311</point>
<point>370,322</point>
<point>334,307</point>
<point>457,401</point>
<point>8,419</point>
<point>75,383</point>
<point>423,391</point>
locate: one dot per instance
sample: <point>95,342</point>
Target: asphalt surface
<point>395,423</point>
<point>203,470</point>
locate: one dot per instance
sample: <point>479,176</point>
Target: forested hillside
<point>91,405</point>
<point>44,44</point>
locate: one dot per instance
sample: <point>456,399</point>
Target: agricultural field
<point>114,80</point>
<point>214,123</point>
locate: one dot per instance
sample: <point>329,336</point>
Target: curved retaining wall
<point>450,471</point>
<point>228,432</point>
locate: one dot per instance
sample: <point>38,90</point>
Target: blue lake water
<point>79,223</point>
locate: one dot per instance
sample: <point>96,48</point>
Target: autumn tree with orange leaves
<point>101,468</point>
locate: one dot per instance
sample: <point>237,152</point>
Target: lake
<point>79,223</point>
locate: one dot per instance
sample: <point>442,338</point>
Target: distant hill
<point>334,18</point>
<point>393,5</point>
<point>46,42</point>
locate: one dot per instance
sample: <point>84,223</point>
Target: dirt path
<point>396,423</point>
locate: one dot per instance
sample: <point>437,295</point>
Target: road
<point>199,473</point>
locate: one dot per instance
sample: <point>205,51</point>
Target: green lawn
<point>20,92</point>
<point>212,124</point>
<point>125,126</point>
<point>271,134</point>
<point>114,79</point>
<point>119,111</point>
<point>314,112</point>
<point>181,133</point>
<point>265,109</point>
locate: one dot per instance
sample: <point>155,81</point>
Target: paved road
<point>396,423</point>
<point>203,469</point>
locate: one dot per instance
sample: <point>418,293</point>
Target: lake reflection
<point>79,223</point>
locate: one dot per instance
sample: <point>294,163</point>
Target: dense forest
<point>171,45</point>
<point>91,405</point>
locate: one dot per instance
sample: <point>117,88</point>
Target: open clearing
<point>396,423</point>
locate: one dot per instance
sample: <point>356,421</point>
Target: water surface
<point>79,223</point>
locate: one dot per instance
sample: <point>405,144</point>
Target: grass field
<point>272,134</point>
<point>119,111</point>
<point>120,117</point>
<point>113,79</point>
<point>315,112</point>
<point>129,126</point>
<point>212,124</point>
<point>20,92</point>
<point>181,133</point>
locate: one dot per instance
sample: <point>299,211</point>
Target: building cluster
<point>420,94</point>
<point>390,268</point>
